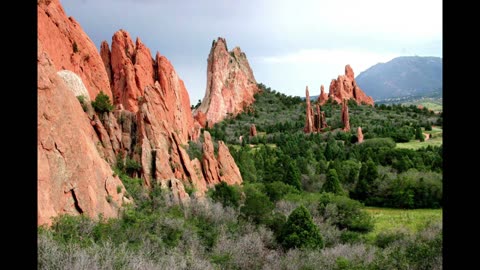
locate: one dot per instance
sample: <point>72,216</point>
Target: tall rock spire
<point>309,114</point>
<point>345,116</point>
<point>231,85</point>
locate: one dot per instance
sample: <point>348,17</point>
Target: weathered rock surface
<point>345,116</point>
<point>74,83</point>
<point>209,162</point>
<point>151,124</point>
<point>70,48</point>
<point>359,134</point>
<point>320,122</point>
<point>72,176</point>
<point>323,97</point>
<point>345,87</point>
<point>228,169</point>
<point>231,85</point>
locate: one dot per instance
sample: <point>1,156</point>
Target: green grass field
<point>436,140</point>
<point>415,144</point>
<point>388,219</point>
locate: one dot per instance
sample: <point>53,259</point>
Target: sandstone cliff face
<point>229,172</point>
<point>151,123</point>
<point>72,176</point>
<point>230,83</point>
<point>70,48</point>
<point>345,87</point>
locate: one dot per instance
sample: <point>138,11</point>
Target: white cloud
<point>359,60</point>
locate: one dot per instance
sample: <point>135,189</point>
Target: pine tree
<point>332,184</point>
<point>299,231</point>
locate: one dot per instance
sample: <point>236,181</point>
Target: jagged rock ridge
<point>151,123</point>
<point>345,87</point>
<point>231,85</point>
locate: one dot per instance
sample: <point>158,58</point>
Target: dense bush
<point>102,103</point>
<point>277,190</point>
<point>300,232</point>
<point>226,194</point>
<point>345,213</point>
<point>257,207</point>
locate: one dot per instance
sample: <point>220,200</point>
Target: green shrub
<point>226,194</point>
<point>102,103</point>
<point>384,239</point>
<point>83,102</point>
<point>300,232</point>
<point>277,190</point>
<point>257,207</point>
<point>345,213</point>
<point>350,237</point>
<point>132,166</point>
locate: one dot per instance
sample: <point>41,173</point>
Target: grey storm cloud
<point>289,44</point>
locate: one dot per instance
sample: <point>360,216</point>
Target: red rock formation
<point>228,170</point>
<point>309,114</point>
<point>320,122</point>
<point>106,55</point>
<point>345,87</point>
<point>253,130</point>
<point>322,98</point>
<point>152,122</point>
<point>359,135</point>
<point>230,83</point>
<point>70,48</point>
<point>201,118</point>
<point>132,69</point>
<point>345,117</point>
<point>209,162</point>
<point>67,147</point>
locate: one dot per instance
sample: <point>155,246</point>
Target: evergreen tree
<point>368,174</point>
<point>299,231</point>
<point>419,134</point>
<point>257,206</point>
<point>332,184</point>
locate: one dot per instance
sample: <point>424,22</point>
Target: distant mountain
<point>402,76</point>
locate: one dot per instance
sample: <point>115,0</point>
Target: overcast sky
<point>289,44</point>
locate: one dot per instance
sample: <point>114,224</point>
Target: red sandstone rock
<point>67,149</point>
<point>230,83</point>
<point>106,56</point>
<point>359,135</point>
<point>151,124</point>
<point>228,169</point>
<point>322,98</point>
<point>70,48</point>
<point>345,87</point>
<point>201,118</point>
<point>323,121</point>
<point>345,117</point>
<point>253,130</point>
<point>309,114</point>
<point>209,162</point>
